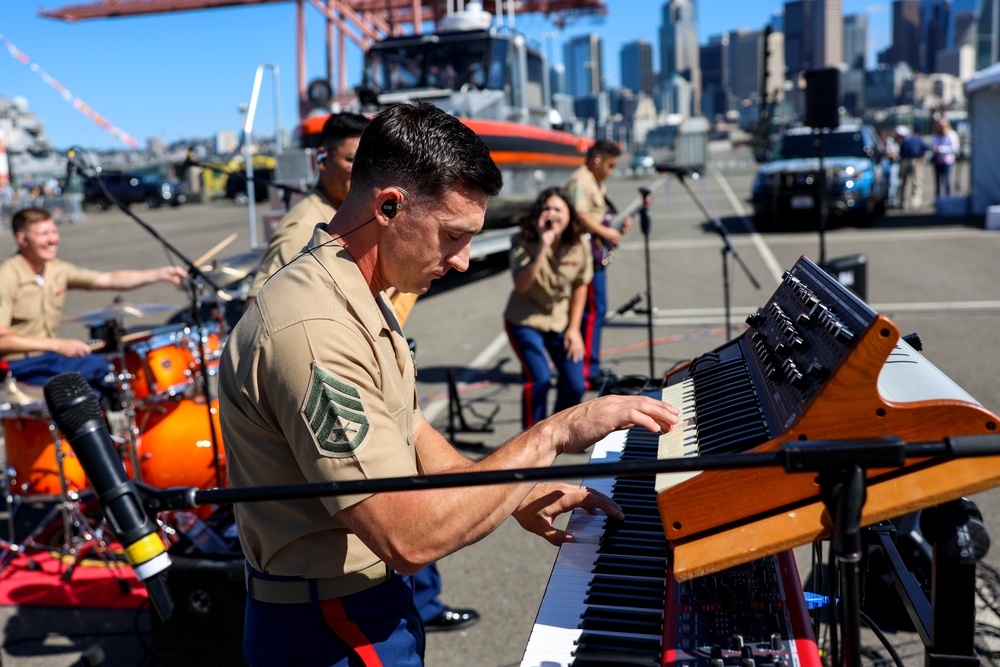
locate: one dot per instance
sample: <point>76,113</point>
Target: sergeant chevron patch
<point>335,413</point>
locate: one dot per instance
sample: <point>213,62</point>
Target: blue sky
<point>184,75</point>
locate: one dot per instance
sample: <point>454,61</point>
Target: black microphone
<point>633,302</point>
<point>674,169</point>
<point>75,411</point>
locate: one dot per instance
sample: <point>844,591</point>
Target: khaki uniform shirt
<point>316,383</point>
<point>587,194</point>
<point>292,235</point>
<point>545,304</point>
<point>33,307</point>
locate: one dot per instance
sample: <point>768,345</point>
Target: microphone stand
<point>841,465</point>
<point>644,225</point>
<point>194,275</point>
<point>727,246</point>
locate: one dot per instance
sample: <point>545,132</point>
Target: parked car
<point>786,191</point>
<point>641,162</point>
<point>133,188</point>
<point>236,186</point>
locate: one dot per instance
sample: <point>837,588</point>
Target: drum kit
<point>164,422</point>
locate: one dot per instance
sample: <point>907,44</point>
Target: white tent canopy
<point>983,93</point>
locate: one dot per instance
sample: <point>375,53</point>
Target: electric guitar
<point>603,253</point>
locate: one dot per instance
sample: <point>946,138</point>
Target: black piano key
<point>622,620</point>
<point>623,599</point>
<point>594,650</point>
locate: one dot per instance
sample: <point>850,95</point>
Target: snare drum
<point>31,457</point>
<point>175,444</point>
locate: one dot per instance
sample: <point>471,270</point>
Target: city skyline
<point>184,75</point>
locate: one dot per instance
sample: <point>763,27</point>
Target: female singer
<point>551,265</point>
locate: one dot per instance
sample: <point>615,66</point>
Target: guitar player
<point>588,192</point>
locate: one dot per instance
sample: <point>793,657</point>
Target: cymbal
<point>224,272</point>
<point>19,393</point>
<point>119,311</point>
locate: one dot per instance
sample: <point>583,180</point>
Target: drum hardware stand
<point>455,413</point>
<point>206,392</point>
<point>126,399</point>
<point>79,537</point>
<point>727,245</point>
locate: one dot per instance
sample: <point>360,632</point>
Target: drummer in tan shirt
<point>33,286</point>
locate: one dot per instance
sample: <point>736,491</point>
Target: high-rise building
<point>830,28</point>
<point>584,66</point>
<point>714,63</point>
<point>637,66</point>
<point>906,46</point>
<point>814,35</point>
<point>856,40</point>
<point>679,48</point>
<point>988,34</point>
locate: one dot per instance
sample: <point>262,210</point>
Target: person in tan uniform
<point>588,194</point>
<point>552,266</point>
<point>338,144</point>
<point>316,383</point>
<point>33,285</point>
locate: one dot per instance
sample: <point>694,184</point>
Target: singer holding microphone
<point>552,266</point>
<point>316,383</point>
<point>33,285</point>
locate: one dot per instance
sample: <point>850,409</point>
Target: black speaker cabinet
<point>206,628</point>
<point>822,98</point>
<point>851,272</point>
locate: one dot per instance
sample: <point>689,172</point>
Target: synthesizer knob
<point>804,320</point>
<point>817,371</point>
<point>799,344</point>
<point>843,335</point>
<point>775,641</point>
<point>756,319</point>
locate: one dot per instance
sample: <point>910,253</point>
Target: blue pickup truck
<point>786,191</point>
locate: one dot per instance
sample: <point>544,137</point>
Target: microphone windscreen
<point>71,401</point>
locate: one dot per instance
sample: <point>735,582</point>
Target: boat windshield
<point>448,62</point>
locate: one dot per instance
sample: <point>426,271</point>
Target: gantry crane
<point>361,21</point>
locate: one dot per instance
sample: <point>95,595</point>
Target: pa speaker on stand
<point>822,98</point>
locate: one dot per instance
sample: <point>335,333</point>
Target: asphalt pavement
<point>930,275</point>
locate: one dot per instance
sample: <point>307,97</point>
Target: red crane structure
<point>361,21</point>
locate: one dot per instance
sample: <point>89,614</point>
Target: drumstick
<point>127,338</point>
<point>218,246</point>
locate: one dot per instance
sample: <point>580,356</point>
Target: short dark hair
<point>604,149</point>
<point>26,217</point>
<point>573,231</point>
<point>340,126</point>
<point>419,147</point>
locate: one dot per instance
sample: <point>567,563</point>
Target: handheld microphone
<point>75,410</point>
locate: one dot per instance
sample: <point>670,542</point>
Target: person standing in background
<point>588,195</point>
<point>334,157</point>
<point>552,266</point>
<point>911,168</point>
<point>892,154</point>
<point>944,145</point>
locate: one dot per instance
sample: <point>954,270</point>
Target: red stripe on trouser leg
<point>349,633</point>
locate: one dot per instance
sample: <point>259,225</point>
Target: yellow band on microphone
<point>144,549</point>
